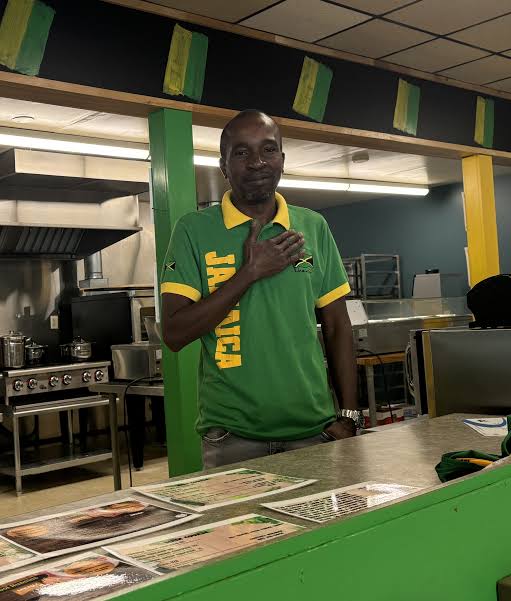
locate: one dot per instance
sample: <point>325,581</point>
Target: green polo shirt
<point>262,372</point>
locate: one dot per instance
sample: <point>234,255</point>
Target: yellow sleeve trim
<point>182,290</point>
<point>333,295</point>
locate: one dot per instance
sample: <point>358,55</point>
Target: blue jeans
<point>220,447</point>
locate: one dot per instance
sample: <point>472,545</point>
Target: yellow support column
<point>481,219</point>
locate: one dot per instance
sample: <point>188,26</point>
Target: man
<point>246,278</point>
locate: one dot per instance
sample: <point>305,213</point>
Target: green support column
<point>174,195</point>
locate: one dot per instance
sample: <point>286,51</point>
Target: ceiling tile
<point>504,85</point>
<point>493,35</point>
<point>445,16</point>
<point>375,7</point>
<point>61,119</point>
<point>223,10</point>
<point>376,38</point>
<point>306,20</point>
<point>487,69</point>
<point>435,55</point>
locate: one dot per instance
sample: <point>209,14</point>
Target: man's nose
<point>255,161</point>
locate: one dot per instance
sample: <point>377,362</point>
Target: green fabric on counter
<point>452,466</point>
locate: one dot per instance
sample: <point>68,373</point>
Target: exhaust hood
<point>66,206</point>
<point>65,230</point>
<point>53,176</point>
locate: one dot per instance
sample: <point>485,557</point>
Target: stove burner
<point>51,378</point>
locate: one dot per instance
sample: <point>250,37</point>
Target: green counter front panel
<point>174,195</point>
<point>451,544</point>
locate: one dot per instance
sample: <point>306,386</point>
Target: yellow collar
<point>234,217</point>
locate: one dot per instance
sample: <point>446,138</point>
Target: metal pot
<point>12,346</point>
<point>78,350</point>
<point>34,352</point>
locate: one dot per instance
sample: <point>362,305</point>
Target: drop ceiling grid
<point>435,36</point>
<point>305,20</point>
<point>222,10</point>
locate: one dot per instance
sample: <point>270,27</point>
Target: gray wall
<point>30,290</point>
<point>427,232</point>
<point>131,261</point>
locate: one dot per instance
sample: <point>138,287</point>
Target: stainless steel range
<point>58,388</point>
<point>29,381</point>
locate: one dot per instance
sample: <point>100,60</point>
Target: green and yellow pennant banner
<point>406,112</point>
<point>313,88</point>
<point>24,32</point>
<point>485,122</point>
<point>186,65</point>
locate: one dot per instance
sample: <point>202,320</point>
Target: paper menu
<point>68,531</point>
<point>77,578</point>
<point>224,488</point>
<point>333,504</point>
<point>14,556</point>
<point>169,553</point>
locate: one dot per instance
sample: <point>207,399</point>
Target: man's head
<point>251,156</point>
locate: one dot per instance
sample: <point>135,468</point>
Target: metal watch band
<point>354,414</point>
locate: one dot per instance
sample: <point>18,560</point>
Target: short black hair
<point>226,132</point>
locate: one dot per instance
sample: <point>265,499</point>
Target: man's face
<point>253,161</point>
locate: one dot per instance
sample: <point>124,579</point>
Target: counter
<point>449,542</point>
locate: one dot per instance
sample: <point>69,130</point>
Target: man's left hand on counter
<point>344,427</point>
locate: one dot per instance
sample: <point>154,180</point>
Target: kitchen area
<point>59,211</point>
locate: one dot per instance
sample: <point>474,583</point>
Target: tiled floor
<point>65,486</point>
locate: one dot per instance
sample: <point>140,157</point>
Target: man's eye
<point>270,149</point>
<point>240,153</point>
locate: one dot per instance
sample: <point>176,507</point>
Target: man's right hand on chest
<point>264,258</point>
<point>185,320</point>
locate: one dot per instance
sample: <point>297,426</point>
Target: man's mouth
<point>257,181</point>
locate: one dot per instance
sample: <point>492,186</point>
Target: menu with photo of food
<point>63,533</point>
<point>79,578</point>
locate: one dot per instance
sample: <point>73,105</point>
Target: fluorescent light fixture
<point>382,188</point>
<point>335,185</point>
<point>351,186</point>
<point>313,184</point>
<point>35,140</point>
<point>206,160</point>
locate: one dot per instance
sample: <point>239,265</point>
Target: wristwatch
<point>354,414</point>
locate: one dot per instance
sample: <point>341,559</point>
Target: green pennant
<point>406,111</point>
<point>24,32</point>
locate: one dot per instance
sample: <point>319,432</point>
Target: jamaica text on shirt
<point>228,345</point>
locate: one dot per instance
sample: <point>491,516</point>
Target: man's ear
<point>223,167</point>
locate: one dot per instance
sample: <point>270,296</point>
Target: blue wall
<point>427,232</point>
<point>503,206</point>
